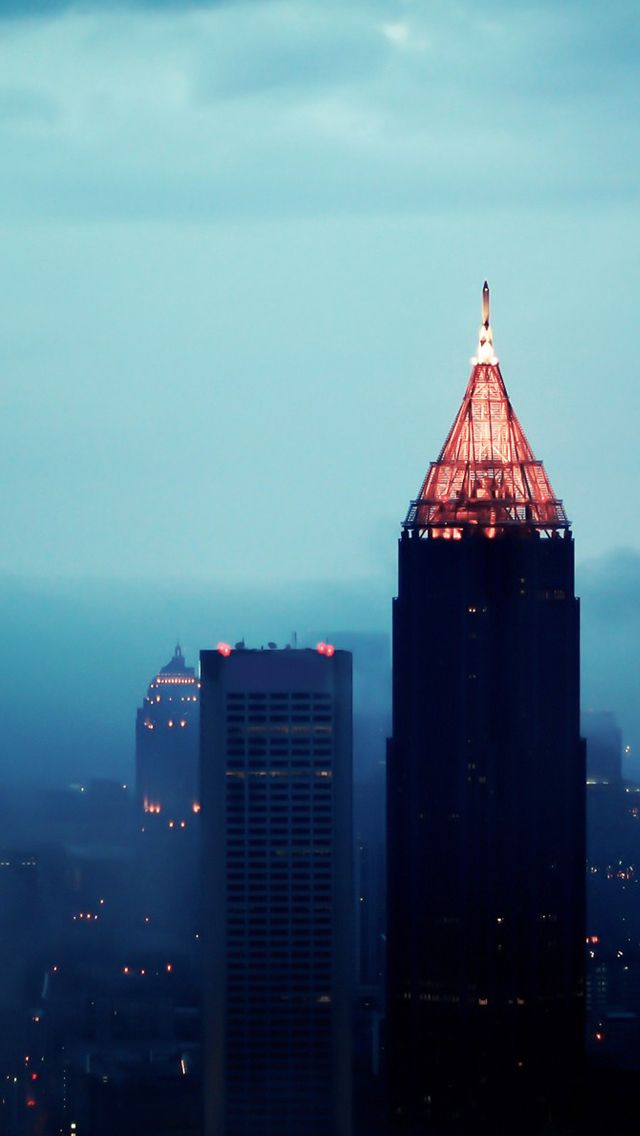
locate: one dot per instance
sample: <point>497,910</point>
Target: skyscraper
<point>277,833</point>
<point>168,799</point>
<point>485,774</point>
<point>167,734</point>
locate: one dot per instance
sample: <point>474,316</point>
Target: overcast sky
<point>242,247</point>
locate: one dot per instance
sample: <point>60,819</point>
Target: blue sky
<point>243,246</point>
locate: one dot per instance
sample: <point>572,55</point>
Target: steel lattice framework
<point>486,474</point>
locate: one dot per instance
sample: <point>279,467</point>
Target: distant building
<point>167,727</point>
<point>277,840</point>
<point>168,799</point>
<point>486,779</point>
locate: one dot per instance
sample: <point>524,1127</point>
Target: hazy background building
<point>167,799</point>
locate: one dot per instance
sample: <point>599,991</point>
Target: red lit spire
<point>486,474</point>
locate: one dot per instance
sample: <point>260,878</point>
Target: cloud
<point>283,48</point>
<point>31,9</point>
<point>25,105</point>
<point>212,110</point>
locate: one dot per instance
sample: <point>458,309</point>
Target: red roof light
<point>224,649</point>
<point>327,649</point>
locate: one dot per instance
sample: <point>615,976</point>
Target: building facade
<point>277,833</point>
<point>486,797</point>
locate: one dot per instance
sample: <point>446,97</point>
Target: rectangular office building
<point>277,839</point>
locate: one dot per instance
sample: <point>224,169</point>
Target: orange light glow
<point>196,806</point>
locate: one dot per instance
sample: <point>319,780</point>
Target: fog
<point>78,655</point>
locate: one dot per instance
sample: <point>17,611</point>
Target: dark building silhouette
<point>167,798</point>
<point>277,843</point>
<point>486,858</point>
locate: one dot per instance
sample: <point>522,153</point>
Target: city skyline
<point>242,247</point>
<point>320,789</point>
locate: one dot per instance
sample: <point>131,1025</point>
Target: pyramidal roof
<point>486,475</point>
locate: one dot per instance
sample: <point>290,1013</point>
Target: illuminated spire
<point>486,478</point>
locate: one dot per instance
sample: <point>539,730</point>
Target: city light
<point>224,649</point>
<point>326,649</point>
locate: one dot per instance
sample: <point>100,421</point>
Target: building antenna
<point>485,304</point>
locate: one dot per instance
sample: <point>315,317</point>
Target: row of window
<point>235,696</point>
<point>316,715</point>
<point>237,891</point>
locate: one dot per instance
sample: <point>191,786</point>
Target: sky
<point>242,252</point>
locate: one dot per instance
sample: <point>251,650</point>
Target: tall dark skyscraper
<point>277,844</point>
<point>486,776</point>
